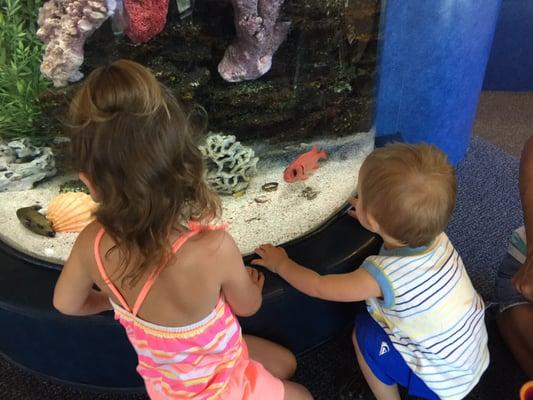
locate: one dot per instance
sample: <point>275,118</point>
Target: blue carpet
<point>488,209</point>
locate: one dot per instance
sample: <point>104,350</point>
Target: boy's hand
<point>271,257</point>
<point>353,203</point>
<point>258,278</point>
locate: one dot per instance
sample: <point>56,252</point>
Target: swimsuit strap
<point>194,229</point>
<point>103,272</point>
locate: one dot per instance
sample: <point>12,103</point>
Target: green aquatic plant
<point>21,81</point>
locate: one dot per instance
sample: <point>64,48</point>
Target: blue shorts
<point>384,360</point>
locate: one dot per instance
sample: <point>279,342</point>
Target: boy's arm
<point>74,293</point>
<point>354,286</point>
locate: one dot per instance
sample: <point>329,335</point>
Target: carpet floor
<point>488,209</point>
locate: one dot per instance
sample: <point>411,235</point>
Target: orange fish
<point>301,168</point>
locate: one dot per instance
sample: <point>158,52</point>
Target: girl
<point>173,283</point>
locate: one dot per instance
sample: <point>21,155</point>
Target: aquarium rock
<point>64,25</point>
<point>36,222</point>
<point>146,18</point>
<point>73,185</point>
<point>23,149</point>
<point>230,164</point>
<point>259,34</point>
<point>22,165</point>
<point>7,156</point>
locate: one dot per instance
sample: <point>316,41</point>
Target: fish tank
<point>283,92</point>
<point>313,88</point>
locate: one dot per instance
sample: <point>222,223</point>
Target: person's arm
<point>354,286</point>
<point>523,279</point>
<point>241,286</point>
<point>74,293</point>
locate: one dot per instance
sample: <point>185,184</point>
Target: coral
<point>63,27</point>
<point>146,18</point>
<point>71,212</point>
<point>231,165</point>
<point>259,35</point>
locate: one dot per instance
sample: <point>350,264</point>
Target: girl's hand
<point>353,203</point>
<point>271,257</point>
<point>258,278</point>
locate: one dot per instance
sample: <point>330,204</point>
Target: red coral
<point>146,18</point>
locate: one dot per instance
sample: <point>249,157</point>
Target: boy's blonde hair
<point>410,191</point>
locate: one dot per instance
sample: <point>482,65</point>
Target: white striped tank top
<point>432,314</point>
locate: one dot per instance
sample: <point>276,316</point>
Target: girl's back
<point>185,291</point>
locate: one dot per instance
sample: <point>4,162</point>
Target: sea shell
<point>71,212</point>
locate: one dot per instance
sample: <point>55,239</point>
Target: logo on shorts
<point>384,349</point>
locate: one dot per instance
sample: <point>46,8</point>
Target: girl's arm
<point>354,286</point>
<point>74,293</point>
<point>241,286</point>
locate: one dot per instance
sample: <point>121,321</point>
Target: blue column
<point>432,61</point>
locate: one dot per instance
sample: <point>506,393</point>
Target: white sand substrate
<point>284,214</point>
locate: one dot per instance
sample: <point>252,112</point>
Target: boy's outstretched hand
<point>271,257</point>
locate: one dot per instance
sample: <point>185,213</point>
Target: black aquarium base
<point>94,352</point>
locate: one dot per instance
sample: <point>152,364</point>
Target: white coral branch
<point>233,165</point>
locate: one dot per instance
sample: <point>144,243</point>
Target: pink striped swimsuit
<point>205,360</point>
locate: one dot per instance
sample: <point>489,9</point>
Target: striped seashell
<point>71,212</point>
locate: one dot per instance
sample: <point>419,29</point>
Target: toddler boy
<point>424,328</point>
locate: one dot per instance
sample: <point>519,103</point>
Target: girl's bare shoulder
<point>213,246</point>
<point>213,242</point>
<point>84,243</point>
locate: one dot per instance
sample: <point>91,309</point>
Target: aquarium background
<point>319,93</point>
<point>321,82</point>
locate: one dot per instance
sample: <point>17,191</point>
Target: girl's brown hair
<point>133,140</point>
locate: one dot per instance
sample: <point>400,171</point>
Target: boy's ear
<point>95,195</point>
<point>373,224</point>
